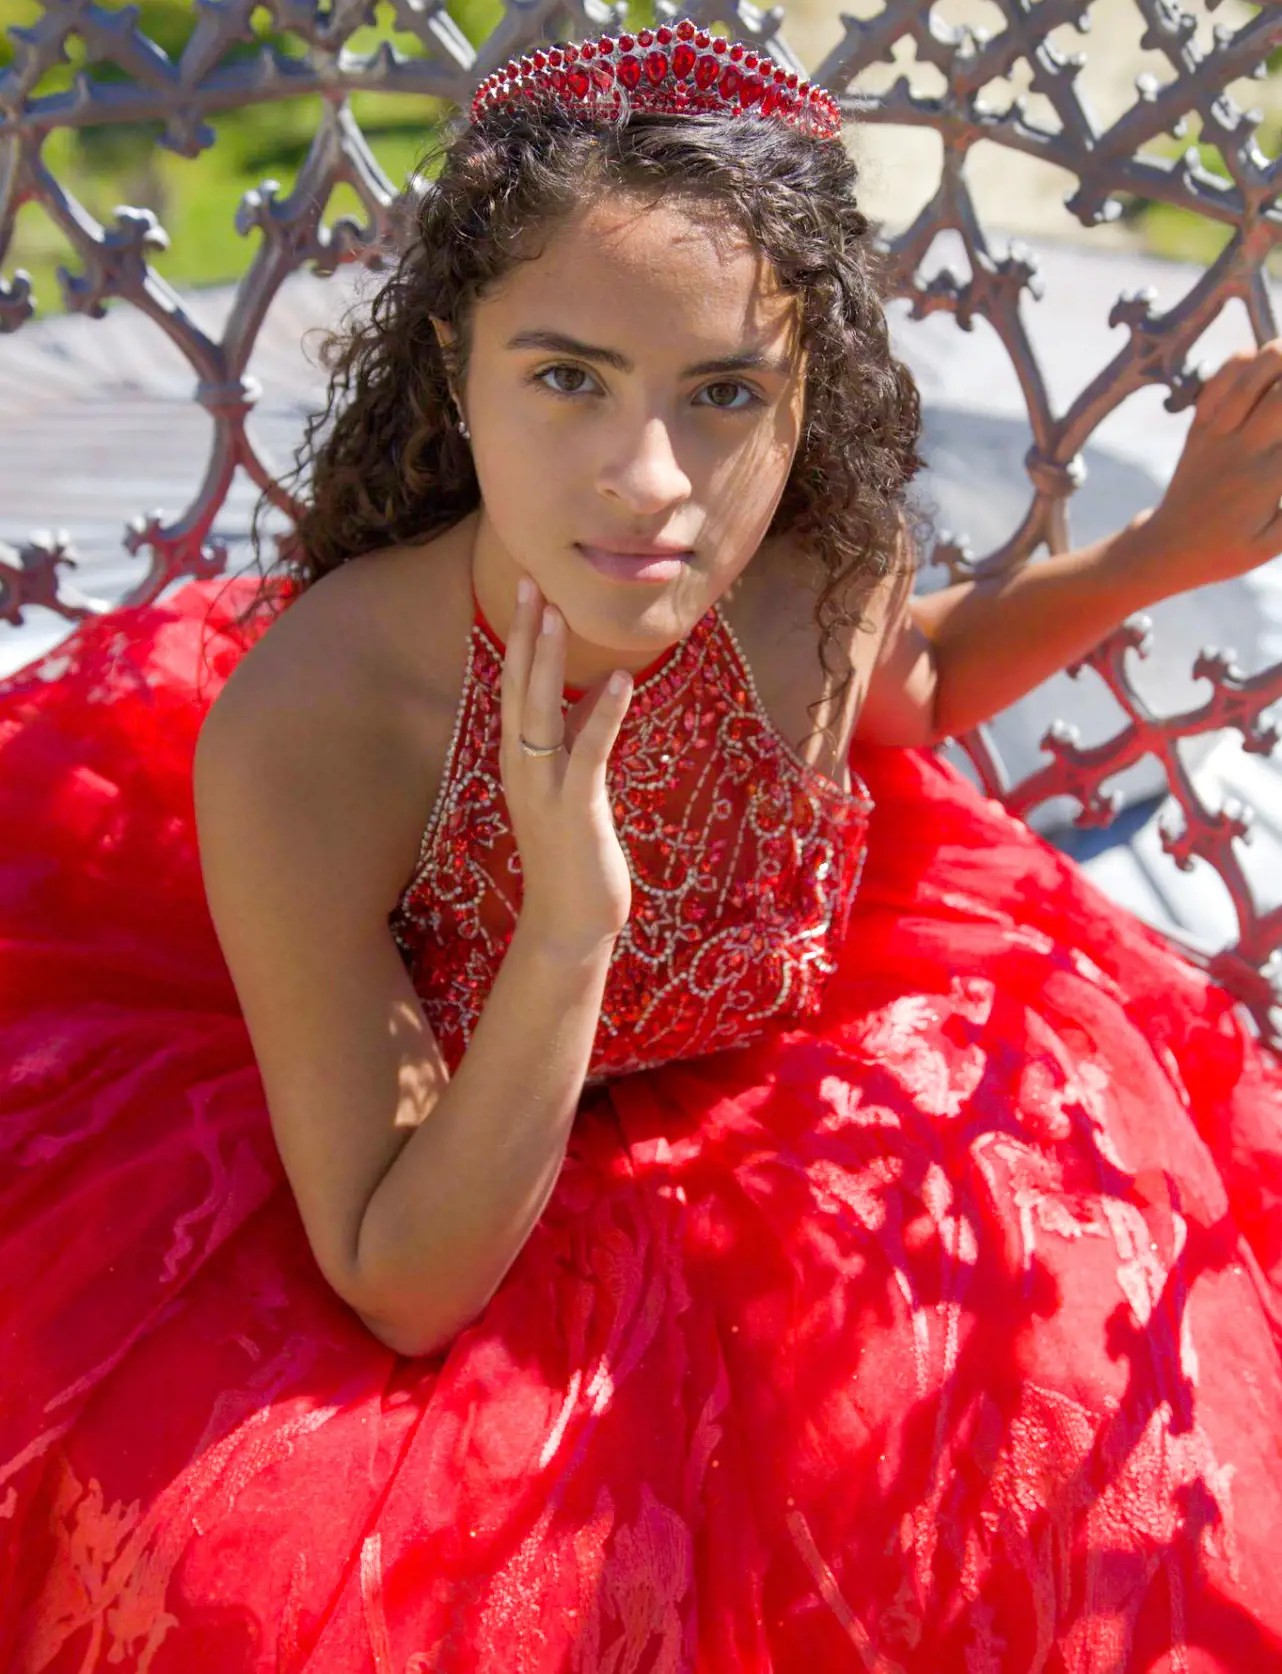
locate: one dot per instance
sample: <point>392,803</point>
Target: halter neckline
<point>640,679</point>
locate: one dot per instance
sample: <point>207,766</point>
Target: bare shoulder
<point>351,692</point>
<point>380,632</point>
<point>777,625</point>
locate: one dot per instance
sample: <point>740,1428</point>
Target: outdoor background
<point>105,448</point>
<point>196,200</point>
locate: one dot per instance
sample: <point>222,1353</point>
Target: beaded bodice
<point>744,862</point>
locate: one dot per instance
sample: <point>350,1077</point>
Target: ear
<point>444,333</point>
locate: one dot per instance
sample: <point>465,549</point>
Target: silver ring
<point>539,750</point>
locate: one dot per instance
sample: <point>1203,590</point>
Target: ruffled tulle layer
<point>944,1333</point>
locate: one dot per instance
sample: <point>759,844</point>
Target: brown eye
<point>548,371</point>
<point>754,400</point>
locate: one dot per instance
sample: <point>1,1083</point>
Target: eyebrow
<point>751,360</point>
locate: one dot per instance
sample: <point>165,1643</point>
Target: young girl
<point>608,1155</point>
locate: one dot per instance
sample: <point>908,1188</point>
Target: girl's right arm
<point>417,1191</point>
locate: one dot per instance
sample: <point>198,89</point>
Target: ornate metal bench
<point>182,95</point>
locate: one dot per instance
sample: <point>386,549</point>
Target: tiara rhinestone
<point>677,67</point>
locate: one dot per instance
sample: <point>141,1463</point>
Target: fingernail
<point>549,619</point>
<point>524,590</point>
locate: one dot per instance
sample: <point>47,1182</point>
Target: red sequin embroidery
<point>744,861</point>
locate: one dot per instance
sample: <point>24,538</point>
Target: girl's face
<point>596,421</point>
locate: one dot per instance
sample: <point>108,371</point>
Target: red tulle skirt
<point>944,1333</point>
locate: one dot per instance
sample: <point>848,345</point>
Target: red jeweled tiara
<point>677,67</point>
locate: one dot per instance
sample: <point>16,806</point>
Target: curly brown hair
<point>385,462</point>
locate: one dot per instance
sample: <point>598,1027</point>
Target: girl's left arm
<point>977,647</point>
<point>992,640</point>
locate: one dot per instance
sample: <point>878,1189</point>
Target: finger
<point>576,716</point>
<point>541,719</point>
<point>1216,386</point>
<point>1263,427</point>
<point>1245,377</point>
<point>518,658</point>
<point>1269,539</point>
<point>585,770</point>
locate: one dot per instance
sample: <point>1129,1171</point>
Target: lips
<point>637,551</point>
<point>664,565</point>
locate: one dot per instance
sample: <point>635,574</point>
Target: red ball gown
<point>909,1300</point>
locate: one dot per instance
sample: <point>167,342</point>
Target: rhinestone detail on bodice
<point>744,861</point>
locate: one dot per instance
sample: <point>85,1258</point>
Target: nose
<point>643,472</point>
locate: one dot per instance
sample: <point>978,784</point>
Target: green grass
<point>198,212</point>
<point>196,199</point>
<point>1183,235</point>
